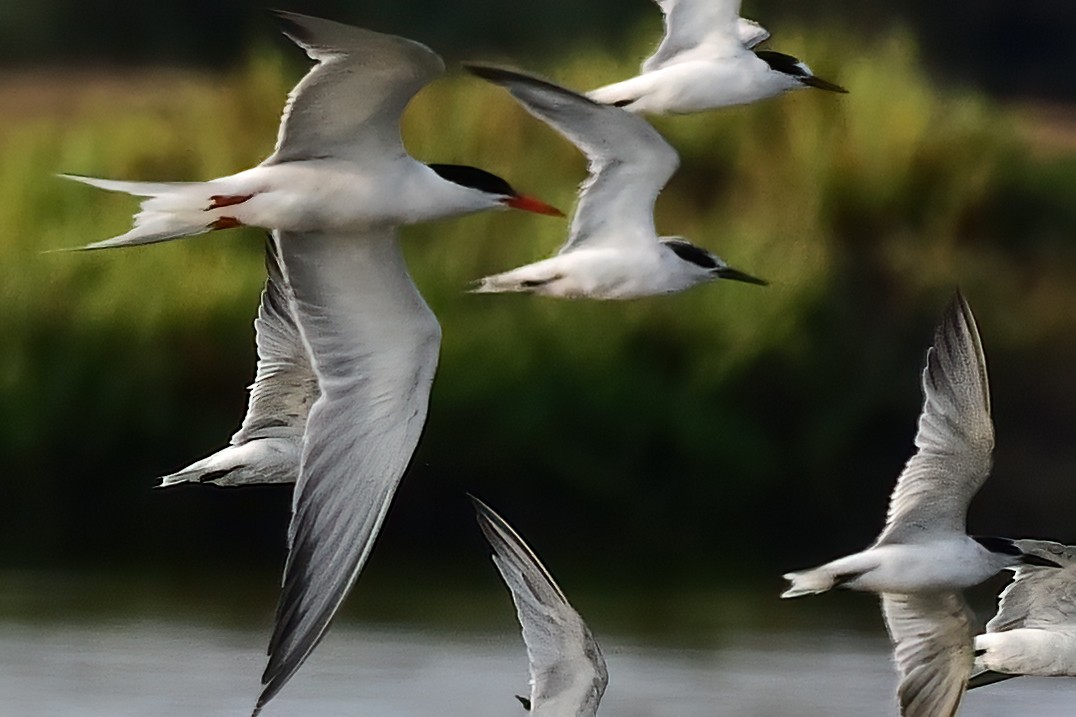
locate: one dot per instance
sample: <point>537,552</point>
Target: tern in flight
<point>613,250</point>
<point>924,557</point>
<point>708,59</point>
<point>333,192</point>
<point>1034,631</point>
<point>568,674</point>
<point>267,447</point>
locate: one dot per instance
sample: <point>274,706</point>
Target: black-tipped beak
<point>727,272</point>
<point>1038,560</point>
<point>819,83</point>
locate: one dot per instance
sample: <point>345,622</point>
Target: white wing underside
<point>568,672</point>
<point>629,161</point>
<point>349,105</point>
<point>1039,597</point>
<point>284,386</point>
<point>932,634</point>
<point>955,439</point>
<point>713,27</point>
<point>374,345</point>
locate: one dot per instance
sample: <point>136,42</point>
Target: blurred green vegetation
<point>724,434</point>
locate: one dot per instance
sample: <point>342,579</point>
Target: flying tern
<point>708,59</point>
<point>1034,631</point>
<point>267,447</point>
<point>924,557</point>
<point>339,163</point>
<point>334,190</point>
<point>568,674</point>
<point>613,250</point>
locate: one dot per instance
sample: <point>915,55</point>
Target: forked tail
<point>171,210</point>
<point>809,582</point>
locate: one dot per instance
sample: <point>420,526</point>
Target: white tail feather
<point>809,582</point>
<point>171,210</point>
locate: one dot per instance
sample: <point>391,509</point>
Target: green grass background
<point>718,436</point>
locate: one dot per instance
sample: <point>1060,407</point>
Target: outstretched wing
<point>374,346</point>
<point>284,385</point>
<point>350,103</point>
<point>693,23</point>
<point>568,674</point>
<point>630,163</point>
<point>932,635</point>
<point>956,435</point>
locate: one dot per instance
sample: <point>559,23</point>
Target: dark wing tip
<point>987,677</point>
<point>504,75</point>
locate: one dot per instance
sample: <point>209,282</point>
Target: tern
<point>613,250</point>
<point>334,190</point>
<point>339,162</point>
<point>707,60</point>
<point>268,445</point>
<point>568,673</point>
<point>924,557</point>
<point>1034,631</point>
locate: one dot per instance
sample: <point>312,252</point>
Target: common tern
<point>339,163</point>
<point>1034,630</point>
<point>267,447</point>
<point>924,557</point>
<point>707,60</point>
<point>568,673</point>
<point>334,190</point>
<point>613,250</point>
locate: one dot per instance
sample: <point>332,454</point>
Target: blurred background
<point>669,458</point>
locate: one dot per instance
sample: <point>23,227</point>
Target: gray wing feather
<point>350,103</point>
<point>691,23</point>
<point>568,672</point>
<point>374,345</point>
<point>1039,597</point>
<point>629,161</point>
<point>934,652</point>
<point>956,434</point>
<point>284,385</point>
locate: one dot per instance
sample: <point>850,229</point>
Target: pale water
<point>129,669</point>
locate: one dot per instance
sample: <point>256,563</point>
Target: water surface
<point>116,668</point>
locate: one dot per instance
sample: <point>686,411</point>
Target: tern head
<point>705,265</point>
<point>797,71</point>
<point>1009,554</point>
<point>492,188</point>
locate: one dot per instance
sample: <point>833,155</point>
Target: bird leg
<point>225,223</point>
<point>218,201</point>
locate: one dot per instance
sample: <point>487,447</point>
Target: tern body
<point>944,563</point>
<point>613,250</point>
<point>708,60</point>
<point>924,557</point>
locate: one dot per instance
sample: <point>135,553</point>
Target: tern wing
<point>955,438</point>
<point>349,105</point>
<point>284,385</point>
<point>568,674</point>
<point>713,23</point>
<point>934,651</point>
<point>1039,597</point>
<point>374,345</point>
<point>629,162</point>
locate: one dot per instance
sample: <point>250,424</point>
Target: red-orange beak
<point>530,204</point>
